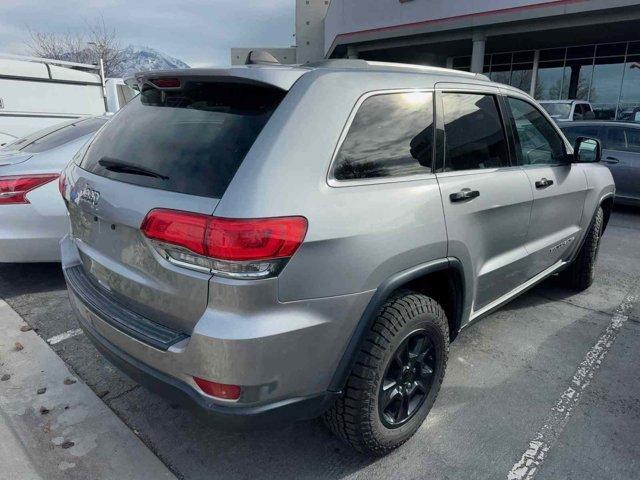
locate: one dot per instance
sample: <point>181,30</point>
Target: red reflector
<point>14,189</point>
<point>226,238</point>
<point>219,390</point>
<point>166,82</point>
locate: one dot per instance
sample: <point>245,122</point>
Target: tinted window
<point>391,135</point>
<point>53,138</point>
<point>537,142</point>
<point>193,139</point>
<point>474,133</point>
<point>591,131</point>
<point>624,139</point>
<point>558,110</point>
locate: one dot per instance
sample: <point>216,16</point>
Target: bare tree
<point>95,42</point>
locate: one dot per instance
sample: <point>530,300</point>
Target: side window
<point>391,136</point>
<point>537,142</point>
<point>633,139</point>
<point>616,139</point>
<point>474,135</point>
<point>578,112</point>
<point>584,131</point>
<point>624,139</point>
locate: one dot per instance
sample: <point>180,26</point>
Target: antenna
<point>261,57</point>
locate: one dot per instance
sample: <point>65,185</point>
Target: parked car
<point>620,152</point>
<point>277,243</point>
<point>568,110</point>
<point>33,217</point>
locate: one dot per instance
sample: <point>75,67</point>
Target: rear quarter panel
<point>358,235</point>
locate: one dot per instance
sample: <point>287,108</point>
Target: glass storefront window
<point>629,112</point>
<point>549,81</point>
<point>577,79</point>
<point>521,76</point>
<point>553,54</point>
<point>500,73</point>
<point>607,78</point>
<point>607,75</point>
<point>611,49</point>
<point>604,111</point>
<point>631,82</point>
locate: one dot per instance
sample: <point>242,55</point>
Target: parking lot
<point>504,394</point>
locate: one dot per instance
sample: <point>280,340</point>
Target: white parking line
<point>532,459</point>
<point>64,336</point>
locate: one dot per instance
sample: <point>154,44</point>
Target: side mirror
<point>587,150</point>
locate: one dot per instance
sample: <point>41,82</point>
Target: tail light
<point>238,248</point>
<point>14,189</point>
<point>61,183</point>
<point>166,82</point>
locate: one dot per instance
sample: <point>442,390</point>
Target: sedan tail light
<point>238,248</point>
<point>14,189</point>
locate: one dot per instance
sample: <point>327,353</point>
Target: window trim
<point>334,182</point>
<point>568,149</point>
<point>506,128</point>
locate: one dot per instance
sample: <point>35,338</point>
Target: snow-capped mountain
<point>138,58</point>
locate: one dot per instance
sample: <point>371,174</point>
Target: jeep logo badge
<point>90,196</point>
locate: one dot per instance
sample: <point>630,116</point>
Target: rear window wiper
<point>118,166</point>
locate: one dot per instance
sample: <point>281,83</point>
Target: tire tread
<point>350,416</point>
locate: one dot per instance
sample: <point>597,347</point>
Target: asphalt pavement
<point>548,387</point>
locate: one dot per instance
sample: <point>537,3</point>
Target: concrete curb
<point>66,431</point>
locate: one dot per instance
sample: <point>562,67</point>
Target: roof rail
<point>52,61</point>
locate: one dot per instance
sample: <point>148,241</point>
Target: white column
<point>477,54</point>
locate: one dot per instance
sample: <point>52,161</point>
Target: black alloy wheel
<point>407,379</point>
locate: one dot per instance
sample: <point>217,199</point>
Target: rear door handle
<point>464,194</point>
<point>611,160</point>
<point>544,183</point>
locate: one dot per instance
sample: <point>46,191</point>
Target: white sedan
<point>33,216</point>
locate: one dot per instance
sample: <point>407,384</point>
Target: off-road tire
<point>355,417</point>
<point>581,273</point>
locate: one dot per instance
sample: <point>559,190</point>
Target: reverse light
<point>237,248</point>
<point>218,390</point>
<point>14,189</point>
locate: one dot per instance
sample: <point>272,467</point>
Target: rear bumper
<point>289,410</point>
<point>283,355</point>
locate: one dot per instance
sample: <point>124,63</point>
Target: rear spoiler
<point>273,75</point>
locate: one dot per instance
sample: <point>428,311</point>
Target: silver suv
<point>278,243</point>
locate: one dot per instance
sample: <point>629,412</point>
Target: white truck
<point>36,93</point>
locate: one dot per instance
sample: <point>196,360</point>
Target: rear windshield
<point>54,137</point>
<point>188,141</point>
<point>558,110</point>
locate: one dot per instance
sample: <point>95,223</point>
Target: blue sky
<point>199,32</point>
